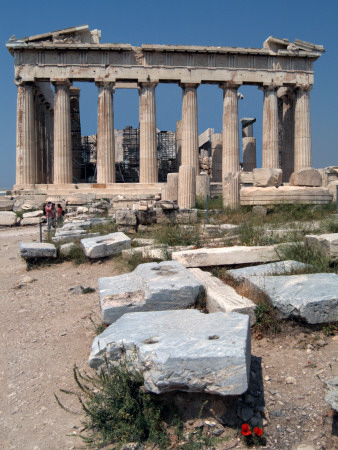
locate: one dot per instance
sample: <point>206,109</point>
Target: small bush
<point>76,255</point>
<point>116,409</point>
<point>103,229</point>
<point>174,235</point>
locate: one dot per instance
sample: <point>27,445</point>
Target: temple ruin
<point>49,143</point>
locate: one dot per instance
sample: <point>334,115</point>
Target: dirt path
<point>45,330</point>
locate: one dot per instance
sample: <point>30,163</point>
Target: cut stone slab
<point>332,395</point>
<point>306,177</point>
<point>264,177</point>
<point>31,214</point>
<point>32,220</point>
<point>222,297</point>
<point>181,350</point>
<point>66,249</point>
<point>310,297</point>
<point>125,217</point>
<point>327,244</point>
<point>277,268</point>
<point>64,236</point>
<point>226,256</point>
<point>30,250</point>
<point>102,246</point>
<point>285,195</point>
<point>6,204</point>
<point>85,224</point>
<point>7,218</point>
<point>150,287</point>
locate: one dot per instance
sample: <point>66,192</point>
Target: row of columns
<point>39,143</point>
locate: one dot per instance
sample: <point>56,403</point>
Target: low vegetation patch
<point>175,235</point>
<point>103,229</point>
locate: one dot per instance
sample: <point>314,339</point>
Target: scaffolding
<point>166,154</point>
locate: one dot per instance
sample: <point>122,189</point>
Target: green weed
<point>175,235</point>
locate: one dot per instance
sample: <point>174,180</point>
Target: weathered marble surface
<point>102,246</point>
<point>277,268</point>
<point>327,244</point>
<point>29,250</point>
<point>181,350</point>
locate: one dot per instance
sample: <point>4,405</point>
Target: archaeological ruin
<point>52,157</point>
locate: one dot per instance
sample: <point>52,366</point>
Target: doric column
<point>63,173</point>
<point>148,142</point>
<point>42,140</point>
<point>288,127</point>
<point>187,187</point>
<point>303,152</point>
<point>49,143</point>
<point>270,155</point>
<point>105,163</point>
<point>231,190</point>
<point>230,138</point>
<point>189,153</point>
<point>25,135</point>
<point>37,127</point>
<point>76,132</point>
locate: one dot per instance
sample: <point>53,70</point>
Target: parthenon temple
<point>45,158</point>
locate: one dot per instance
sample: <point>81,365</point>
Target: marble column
<point>187,187</point>
<point>148,141</point>
<point>230,138</point>
<point>288,128</point>
<point>249,153</point>
<point>37,127</point>
<point>63,173</point>
<point>25,135</point>
<point>303,151</point>
<point>231,190</point>
<point>189,153</point>
<point>105,163</point>
<point>270,150</point>
<point>48,137</point>
<point>42,140</point>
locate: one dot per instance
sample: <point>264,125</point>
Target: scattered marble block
<point>277,268</point>
<point>150,287</point>
<point>226,256</point>
<point>66,249</point>
<point>306,177</point>
<point>30,250</point>
<point>6,204</point>
<point>222,297</point>
<point>102,246</point>
<point>84,224</point>
<point>7,218</point>
<point>32,220</point>
<point>64,236</point>
<point>327,244</point>
<point>264,177</point>
<point>126,217</point>
<point>181,350</point>
<point>332,395</point>
<point>311,297</point>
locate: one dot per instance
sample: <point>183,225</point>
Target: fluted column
<point>270,151</point>
<point>148,141</point>
<point>231,190</point>
<point>189,153</point>
<point>288,128</point>
<point>25,135</point>
<point>42,140</point>
<point>48,141</point>
<point>105,163</point>
<point>63,173</point>
<point>303,151</point>
<point>187,187</point>
<point>38,155</point>
<point>230,137</point>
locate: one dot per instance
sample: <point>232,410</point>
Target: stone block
<point>332,187</point>
<point>146,217</point>
<point>246,177</point>
<point>66,249</point>
<point>285,195</point>
<point>226,256</point>
<point>32,220</point>
<point>222,297</point>
<point>306,177</point>
<point>84,224</point>
<point>181,350</point>
<point>327,244</point>
<point>276,268</point>
<point>30,250</point>
<point>32,214</point>
<point>64,236</point>
<point>332,395</point>
<point>6,204</point>
<point>7,218</point>
<point>76,199</point>
<point>150,287</point>
<point>103,246</point>
<point>267,177</point>
<point>126,217</point>
<point>311,297</point>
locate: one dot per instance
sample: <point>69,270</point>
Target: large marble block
<point>181,350</point>
<point>276,268</point>
<point>327,244</point>
<point>150,287</point>
<point>30,250</point>
<point>311,297</point>
<point>8,218</point>
<point>102,246</point>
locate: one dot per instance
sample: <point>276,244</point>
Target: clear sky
<point>245,23</point>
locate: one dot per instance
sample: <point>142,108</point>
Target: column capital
<point>20,82</point>
<point>230,85</point>
<point>105,84</point>
<point>61,82</point>
<point>189,85</point>
<point>149,84</point>
<point>303,87</point>
<point>268,87</point>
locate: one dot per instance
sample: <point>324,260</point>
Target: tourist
<point>50,215</point>
<point>59,214</point>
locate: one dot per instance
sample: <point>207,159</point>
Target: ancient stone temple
<point>46,65</point>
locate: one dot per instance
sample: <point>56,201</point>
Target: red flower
<point>258,431</point>
<point>195,247</point>
<point>187,237</point>
<point>245,430</point>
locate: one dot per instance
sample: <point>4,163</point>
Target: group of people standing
<point>54,215</point>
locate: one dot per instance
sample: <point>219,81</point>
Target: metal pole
<point>207,209</point>
<point>40,231</point>
<point>337,198</point>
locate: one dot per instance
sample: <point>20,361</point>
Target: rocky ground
<point>45,330</point>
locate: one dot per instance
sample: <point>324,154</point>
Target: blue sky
<point>245,23</point>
